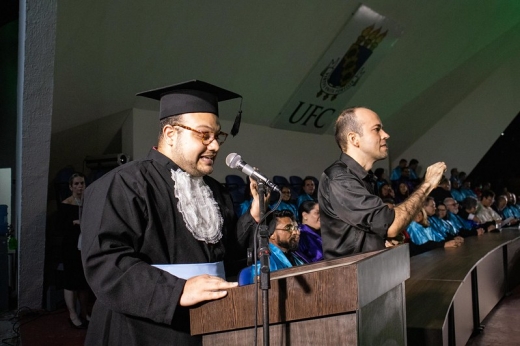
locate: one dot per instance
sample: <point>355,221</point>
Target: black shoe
<point>81,326</point>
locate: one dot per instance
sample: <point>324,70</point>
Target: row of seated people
<point>290,200</point>
<point>404,178</point>
<point>448,223</point>
<point>404,175</point>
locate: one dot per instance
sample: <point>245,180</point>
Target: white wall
<point>140,132</point>
<point>463,136</point>
<point>5,191</point>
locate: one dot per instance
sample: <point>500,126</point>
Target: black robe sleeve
<point>114,230</point>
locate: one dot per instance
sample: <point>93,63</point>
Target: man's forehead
<point>286,220</point>
<point>366,117</point>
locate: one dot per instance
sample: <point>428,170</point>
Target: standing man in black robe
<point>161,210</point>
<point>353,218</point>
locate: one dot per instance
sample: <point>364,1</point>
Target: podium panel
<point>346,301</point>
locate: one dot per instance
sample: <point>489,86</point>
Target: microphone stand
<point>263,254</point>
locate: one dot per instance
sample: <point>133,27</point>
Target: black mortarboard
<point>193,96</point>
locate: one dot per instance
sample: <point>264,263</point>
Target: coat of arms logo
<point>343,73</point>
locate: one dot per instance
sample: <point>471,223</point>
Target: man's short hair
<point>487,193</point>
<point>347,122</point>
<point>75,175</point>
<point>168,121</point>
<point>279,214</point>
<point>413,162</point>
<point>444,180</point>
<point>469,203</point>
<point>427,200</point>
<point>448,199</point>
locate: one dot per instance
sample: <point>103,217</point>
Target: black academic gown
<point>130,220</point>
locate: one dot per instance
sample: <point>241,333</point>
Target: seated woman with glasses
<point>286,203</point>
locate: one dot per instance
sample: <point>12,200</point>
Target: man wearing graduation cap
<point>149,223</point>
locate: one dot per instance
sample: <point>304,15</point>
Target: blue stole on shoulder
<point>420,234</point>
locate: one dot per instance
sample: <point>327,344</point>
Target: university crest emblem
<point>343,73</point>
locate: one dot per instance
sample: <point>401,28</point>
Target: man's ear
<point>353,139</point>
<point>168,133</point>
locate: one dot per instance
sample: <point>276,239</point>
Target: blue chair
<point>296,186</point>
<point>280,180</point>
<point>237,189</point>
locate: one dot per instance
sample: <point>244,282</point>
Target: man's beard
<point>292,244</point>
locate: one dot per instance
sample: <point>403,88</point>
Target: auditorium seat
<point>296,186</point>
<point>237,189</point>
<point>280,181</point>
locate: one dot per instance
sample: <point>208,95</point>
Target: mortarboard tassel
<point>238,119</point>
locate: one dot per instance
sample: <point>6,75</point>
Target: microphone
<point>234,161</point>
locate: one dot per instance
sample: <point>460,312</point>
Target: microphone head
<point>232,160</point>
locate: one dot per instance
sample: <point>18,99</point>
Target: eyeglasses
<point>290,228</point>
<point>207,137</point>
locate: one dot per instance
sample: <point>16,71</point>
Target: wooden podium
<point>355,300</point>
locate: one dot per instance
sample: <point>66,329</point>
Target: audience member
<point>455,191</point>
<point>505,212</point>
<point>462,177</point>
<point>396,172</point>
<point>466,189</point>
<point>441,211</point>
<point>468,211</point>
<point>386,191</point>
<point>484,211</point>
<point>310,247</point>
<point>284,237</point>
<point>454,176</point>
<point>511,205</point>
<point>423,238</point>
<point>464,228</point>
<point>286,203</point>
<point>380,176</point>
<point>479,188</point>
<point>443,227</point>
<point>441,192</point>
<point>413,171</point>
<point>517,204</point>
<point>404,179</point>
<point>308,188</point>
<point>403,192</point>
<point>75,287</point>
<point>244,206</point>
